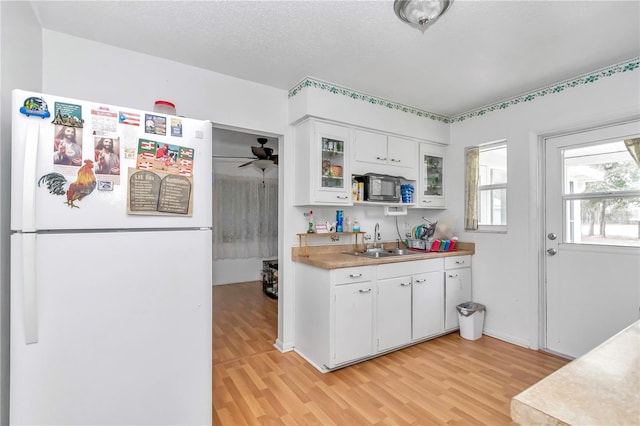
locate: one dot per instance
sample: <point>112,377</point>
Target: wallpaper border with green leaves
<point>592,77</point>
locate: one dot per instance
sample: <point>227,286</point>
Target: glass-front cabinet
<point>432,163</point>
<point>332,162</point>
<point>322,168</point>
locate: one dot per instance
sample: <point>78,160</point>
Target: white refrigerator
<point>110,265</point>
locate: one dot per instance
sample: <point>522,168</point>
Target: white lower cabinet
<point>457,288</point>
<point>427,305</point>
<point>410,300</point>
<point>333,314</point>
<point>393,317</point>
<point>352,330</point>
<point>349,314</point>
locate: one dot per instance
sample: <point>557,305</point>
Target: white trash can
<point>471,317</point>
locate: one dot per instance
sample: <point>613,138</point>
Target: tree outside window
<point>602,194</point>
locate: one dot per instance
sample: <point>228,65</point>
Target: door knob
<point>552,236</point>
<point>552,251</point>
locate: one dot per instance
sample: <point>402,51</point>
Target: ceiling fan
<point>264,156</point>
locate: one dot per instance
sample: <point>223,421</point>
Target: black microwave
<point>380,187</point>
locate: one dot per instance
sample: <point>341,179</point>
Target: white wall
<point>20,67</point>
<point>80,68</point>
<point>505,266</point>
<point>229,271</point>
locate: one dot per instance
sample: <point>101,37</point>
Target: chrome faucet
<point>376,235</point>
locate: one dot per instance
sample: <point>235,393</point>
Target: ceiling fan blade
<point>274,158</point>
<point>246,164</point>
<point>261,152</point>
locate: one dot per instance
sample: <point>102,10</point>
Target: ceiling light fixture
<point>263,165</point>
<point>420,13</point>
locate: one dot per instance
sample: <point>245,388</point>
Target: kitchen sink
<point>378,253</point>
<point>401,252</point>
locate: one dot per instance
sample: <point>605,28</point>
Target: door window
<point>601,194</point>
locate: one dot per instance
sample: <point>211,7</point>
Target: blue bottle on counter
<point>339,219</point>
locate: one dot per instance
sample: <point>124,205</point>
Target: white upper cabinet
<point>370,147</point>
<point>322,166</point>
<point>402,152</point>
<point>385,154</point>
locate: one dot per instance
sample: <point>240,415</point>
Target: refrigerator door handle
<point>30,177</point>
<point>29,288</point>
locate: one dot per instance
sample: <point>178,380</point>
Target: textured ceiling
<point>478,53</point>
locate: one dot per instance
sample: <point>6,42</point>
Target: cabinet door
<point>432,163</point>
<point>394,312</point>
<point>457,290</point>
<point>370,147</point>
<point>332,165</point>
<point>353,322</point>
<point>427,305</point>
<point>402,152</point>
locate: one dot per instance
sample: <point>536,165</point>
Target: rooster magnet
<point>84,184</point>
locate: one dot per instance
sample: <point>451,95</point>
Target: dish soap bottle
<point>356,225</point>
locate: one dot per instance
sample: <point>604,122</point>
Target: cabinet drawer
<point>455,262</point>
<point>432,202</point>
<point>354,274</point>
<point>332,197</point>
<point>399,269</point>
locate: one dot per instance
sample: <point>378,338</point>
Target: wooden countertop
<point>333,257</point>
<point>601,387</point>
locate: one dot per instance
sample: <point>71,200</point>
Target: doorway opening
<point>245,197</point>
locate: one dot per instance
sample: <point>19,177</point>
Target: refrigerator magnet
<point>83,185</point>
<point>155,124</point>
<point>69,115</point>
<point>104,121</point>
<point>176,127</point>
<point>105,185</point>
<point>36,107</point>
<point>129,118</point>
<point>67,148</point>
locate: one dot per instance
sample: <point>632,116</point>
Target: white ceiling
<point>478,53</point>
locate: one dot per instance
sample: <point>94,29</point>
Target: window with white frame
<point>601,193</point>
<point>486,187</point>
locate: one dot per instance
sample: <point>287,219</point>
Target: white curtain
<point>633,146</point>
<point>245,217</point>
<point>472,167</point>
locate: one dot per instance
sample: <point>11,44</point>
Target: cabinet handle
<point>405,284</point>
<point>393,160</point>
<point>426,201</point>
<point>364,290</point>
<point>421,280</point>
<point>381,158</point>
<point>459,262</point>
<point>355,275</point>
<point>342,197</point>
<point>453,275</point>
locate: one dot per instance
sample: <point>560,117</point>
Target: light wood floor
<point>447,380</point>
